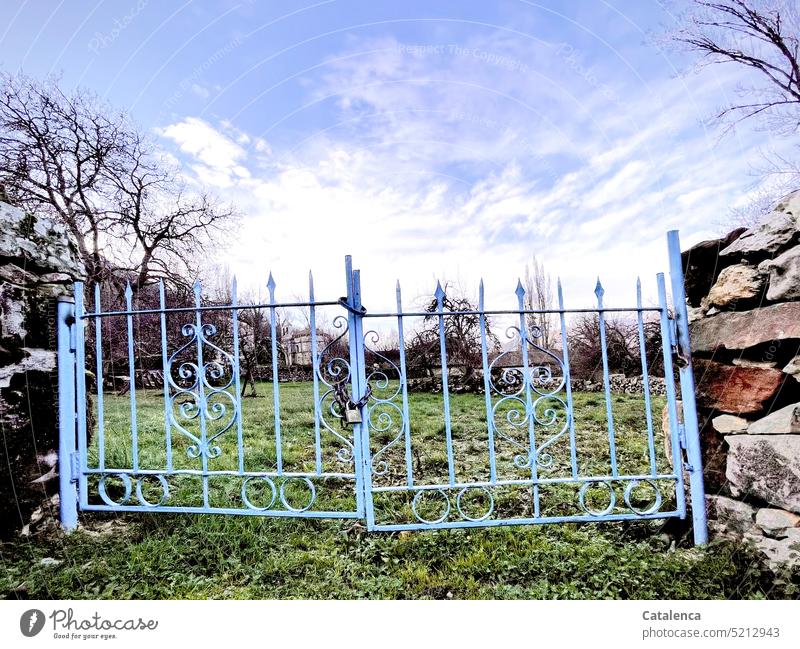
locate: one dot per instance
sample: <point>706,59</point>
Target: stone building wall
<point>744,312</point>
<point>38,262</point>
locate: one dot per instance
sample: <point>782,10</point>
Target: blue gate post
<point>355,344</point>
<point>68,495</point>
<point>690,428</point>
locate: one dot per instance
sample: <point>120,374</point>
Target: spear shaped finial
<point>598,290</point>
<point>520,291</point>
<point>271,286</point>
<point>439,294</point>
<point>481,293</point>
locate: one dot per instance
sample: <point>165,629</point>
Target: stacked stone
<point>38,262</point>
<point>744,311</point>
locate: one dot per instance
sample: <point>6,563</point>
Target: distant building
<point>297,347</point>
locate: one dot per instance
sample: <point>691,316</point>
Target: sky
<point>430,140</point>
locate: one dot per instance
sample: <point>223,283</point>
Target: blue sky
<point>429,139</point>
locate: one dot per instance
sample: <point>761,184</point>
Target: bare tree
<point>73,157</point>
<point>539,297</point>
<point>761,35</point>
<point>462,335</point>
<point>764,37</point>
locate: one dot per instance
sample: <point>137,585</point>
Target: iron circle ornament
<point>246,499</point>
<point>612,498</point>
<point>656,501</point>
<point>415,504</point>
<point>140,490</point>
<point>312,491</point>
<point>467,490</point>
<point>101,489</point>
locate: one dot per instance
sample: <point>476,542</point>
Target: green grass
<point>157,555</point>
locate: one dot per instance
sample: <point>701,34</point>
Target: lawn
<point>159,555</point>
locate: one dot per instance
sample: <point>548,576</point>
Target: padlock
<point>352,415</point>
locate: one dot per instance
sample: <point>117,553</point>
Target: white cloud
<point>440,165</point>
<point>205,143</point>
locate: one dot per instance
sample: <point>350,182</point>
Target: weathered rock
<point>784,275</point>
<point>776,522</point>
<point>736,284</point>
<point>746,362</point>
<point>735,390</point>
<point>776,232</point>
<point>695,313</point>
<point>38,259</point>
<point>39,242</point>
<point>702,264</point>
<point>781,554</point>
<point>781,422</point>
<point>793,368</point>
<point>735,515</point>
<point>740,330</point>
<point>714,454</point>
<point>729,424</point>
<point>767,467</point>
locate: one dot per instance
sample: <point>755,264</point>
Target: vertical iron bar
<point>672,406</point>
<point>201,391</point>
<point>98,352</point>
<point>132,378</point>
<point>487,386</point>
<point>573,451</point>
<point>404,385</point>
<point>236,369</point>
<point>68,502</point>
<point>612,444</point>
<point>693,452</point>
<point>165,371</point>
<point>312,318</point>
<point>276,393</point>
<point>526,382</point>
<point>360,431</point>
<point>645,378</point>
<point>80,390</point>
<point>445,386</point>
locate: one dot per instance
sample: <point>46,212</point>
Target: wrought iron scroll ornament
<point>512,405</point>
<point>384,415</point>
<point>335,374</point>
<point>201,391</point>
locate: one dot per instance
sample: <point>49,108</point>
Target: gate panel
<point>171,431</point>
<point>521,453</point>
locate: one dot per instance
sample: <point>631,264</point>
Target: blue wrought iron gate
<point>179,436</point>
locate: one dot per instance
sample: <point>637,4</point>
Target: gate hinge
<point>73,337</point>
<point>673,333</point>
<point>74,465</point>
<point>682,441</point>
<point>682,436</point>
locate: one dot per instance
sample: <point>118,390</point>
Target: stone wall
<point>618,384</point>
<point>744,309</point>
<point>38,262</point>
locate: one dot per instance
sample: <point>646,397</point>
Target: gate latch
<point>350,410</point>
